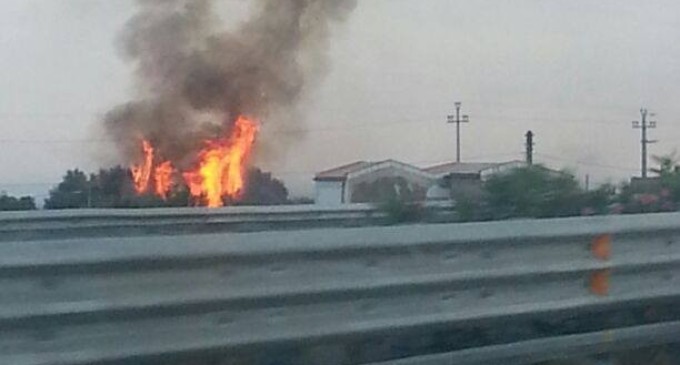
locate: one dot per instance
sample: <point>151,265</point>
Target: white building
<point>364,181</point>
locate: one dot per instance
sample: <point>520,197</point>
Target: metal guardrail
<point>546,349</point>
<point>389,295</point>
<point>129,222</point>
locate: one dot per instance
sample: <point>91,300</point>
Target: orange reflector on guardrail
<point>602,247</point>
<point>599,282</point>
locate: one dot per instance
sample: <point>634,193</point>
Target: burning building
<point>204,93</point>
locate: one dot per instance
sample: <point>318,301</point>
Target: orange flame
<point>163,179</point>
<point>219,173</point>
<point>221,169</point>
<point>141,174</point>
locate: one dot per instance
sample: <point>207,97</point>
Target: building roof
<point>462,168</point>
<point>340,173</point>
<point>405,167</point>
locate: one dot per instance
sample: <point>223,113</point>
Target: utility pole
<point>643,125</point>
<point>457,120</point>
<point>530,148</point>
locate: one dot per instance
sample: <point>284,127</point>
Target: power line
<point>266,131</point>
<point>340,128</point>
<point>591,164</point>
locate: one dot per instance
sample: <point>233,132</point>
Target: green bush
<point>402,211</point>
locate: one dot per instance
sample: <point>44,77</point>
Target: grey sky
<point>575,72</point>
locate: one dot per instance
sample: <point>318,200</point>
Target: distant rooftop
<point>341,172</point>
<point>462,168</point>
<point>459,168</point>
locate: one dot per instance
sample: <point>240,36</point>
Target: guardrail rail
<point>75,223</point>
<point>482,293</point>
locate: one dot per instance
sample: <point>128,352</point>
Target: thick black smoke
<point>195,79</point>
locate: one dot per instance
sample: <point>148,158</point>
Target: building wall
<point>386,188</point>
<point>386,182</point>
<point>466,188</point>
<point>439,190</point>
<point>328,193</point>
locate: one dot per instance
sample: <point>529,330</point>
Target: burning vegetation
<point>204,93</point>
<point>221,168</point>
<point>219,172</point>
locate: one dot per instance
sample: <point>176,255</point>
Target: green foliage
<point>72,192</point>
<point>655,194</point>
<point>109,188</point>
<point>401,201</point>
<point>668,165</point>
<point>469,210</point>
<point>669,175</point>
<point>8,203</point>
<point>402,211</point>
<point>263,189</point>
<point>385,189</point>
<point>533,191</point>
<point>113,188</point>
<point>598,201</point>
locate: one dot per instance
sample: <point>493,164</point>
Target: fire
<point>141,174</point>
<point>219,172</point>
<point>163,179</point>
<point>144,173</point>
<point>222,165</point>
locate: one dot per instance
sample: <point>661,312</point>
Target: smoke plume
<point>194,78</point>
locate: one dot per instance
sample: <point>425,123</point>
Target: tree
<point>109,187</point>
<point>669,176</point>
<point>113,188</point>
<point>263,189</point>
<point>654,194</point>
<point>598,201</point>
<point>668,164</point>
<point>8,203</point>
<point>72,192</point>
<point>533,191</point>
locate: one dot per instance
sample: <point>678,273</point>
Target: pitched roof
<point>459,168</point>
<point>341,172</point>
<point>405,167</point>
<point>463,168</point>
